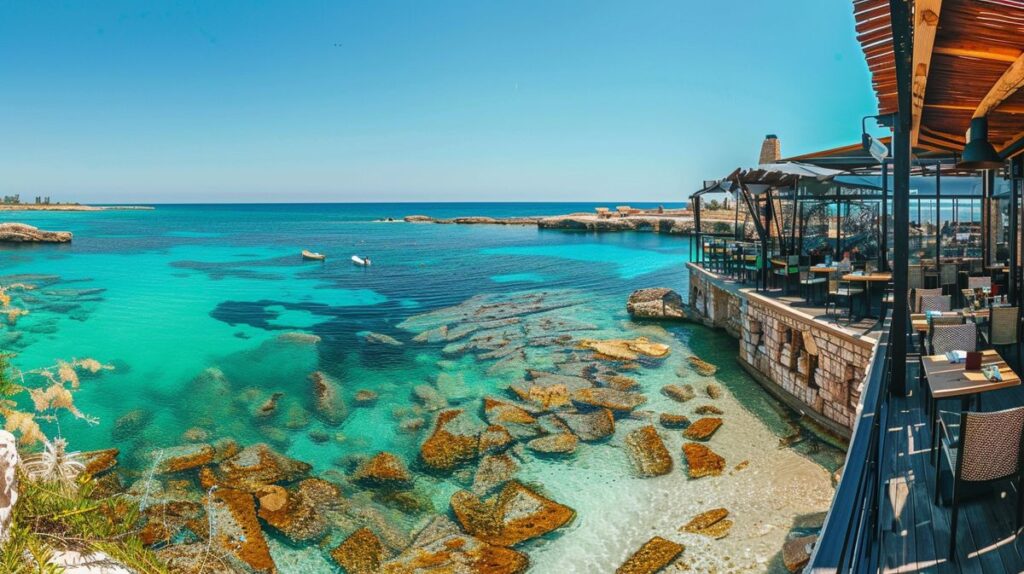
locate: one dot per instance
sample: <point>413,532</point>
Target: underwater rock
<point>796,552</point>
<point>181,458</point>
<point>131,424</point>
<point>441,547</point>
<point>593,425</point>
<point>431,399</point>
<point>493,471</point>
<point>514,515</point>
<point>303,516</point>
<point>195,434</point>
<point>412,424</point>
<point>383,469</point>
<point>515,419</point>
<point>299,338</point>
<point>194,559</point>
<point>653,556</point>
<point>708,410</point>
<point>238,535</point>
<point>435,335</point>
<point>361,553</point>
<point>702,428</point>
<point>319,436</point>
<point>225,448</point>
<point>259,465</point>
<point>382,339</point>
<point>701,461</point>
<point>99,461</point>
<point>626,349</point>
<point>495,439</point>
<point>620,382</point>
<point>714,391</point>
<point>365,398</point>
<point>681,393</point>
<point>560,443</point>
<point>702,367</point>
<point>268,407</point>
<point>21,233</point>
<point>711,523</point>
<point>453,387</point>
<point>656,303</point>
<point>454,441</point>
<point>674,421</point>
<point>648,452</point>
<point>296,417</point>
<point>171,520</point>
<point>327,399</point>
<point>608,398</point>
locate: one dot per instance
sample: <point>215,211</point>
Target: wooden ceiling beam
<point>1007,85</point>
<point>976,50</point>
<point>1004,109</point>
<point>926,22</point>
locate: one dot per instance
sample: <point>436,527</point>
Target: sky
<point>388,100</point>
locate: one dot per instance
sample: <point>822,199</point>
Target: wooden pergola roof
<point>968,61</point>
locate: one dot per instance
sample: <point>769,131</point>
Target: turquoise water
<point>189,304</point>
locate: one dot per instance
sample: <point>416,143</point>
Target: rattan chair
<point>980,448</point>
<point>934,303</point>
<point>811,282</point>
<point>1003,329</point>
<point>839,290</point>
<point>947,276</point>
<point>983,282</point>
<point>915,277</point>
<point>946,338</point>
<point>920,293</point>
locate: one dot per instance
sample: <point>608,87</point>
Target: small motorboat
<point>313,256</point>
<point>361,261</point>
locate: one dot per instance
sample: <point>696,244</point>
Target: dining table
<point>952,380</point>
<point>869,279</point>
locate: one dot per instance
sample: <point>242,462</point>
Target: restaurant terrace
<point>877,288</point>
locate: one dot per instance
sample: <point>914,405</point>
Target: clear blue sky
<point>415,100</point>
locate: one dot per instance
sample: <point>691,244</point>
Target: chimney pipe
<point>771,150</point>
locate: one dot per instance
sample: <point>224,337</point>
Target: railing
<point>850,540</point>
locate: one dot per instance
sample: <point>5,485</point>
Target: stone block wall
<point>816,367</point>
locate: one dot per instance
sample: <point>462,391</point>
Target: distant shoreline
<point>68,207</point>
<point>672,222</point>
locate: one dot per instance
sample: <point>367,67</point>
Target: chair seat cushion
<point>817,281</point>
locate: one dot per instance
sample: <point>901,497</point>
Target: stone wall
<point>816,367</point>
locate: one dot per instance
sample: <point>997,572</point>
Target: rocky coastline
<point>71,207</point>
<point>672,223</point>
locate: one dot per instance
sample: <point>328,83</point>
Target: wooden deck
<point>915,531</point>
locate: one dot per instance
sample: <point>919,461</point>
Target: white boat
<point>361,261</point>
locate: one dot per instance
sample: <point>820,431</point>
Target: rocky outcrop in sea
<point>21,233</point>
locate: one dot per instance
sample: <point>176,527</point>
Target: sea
<point>195,310</point>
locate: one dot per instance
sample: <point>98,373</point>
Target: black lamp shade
<point>979,153</point>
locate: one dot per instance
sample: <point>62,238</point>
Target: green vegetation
<point>55,509</point>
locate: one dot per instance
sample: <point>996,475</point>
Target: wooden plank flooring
<point>915,531</point>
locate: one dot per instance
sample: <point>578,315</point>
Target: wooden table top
<point>947,380</point>
<point>823,269</point>
<point>871,277</point>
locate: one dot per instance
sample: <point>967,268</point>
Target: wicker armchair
<point>980,448</point>
<point>935,303</point>
<point>946,338</point>
<point>1003,329</point>
<point>919,293</point>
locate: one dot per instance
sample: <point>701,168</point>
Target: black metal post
<point>1017,172</point>
<point>903,47</point>
<point>884,251</point>
<point>938,221</point>
<point>988,184</point>
<point>696,228</point>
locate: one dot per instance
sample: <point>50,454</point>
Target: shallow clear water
<point>189,303</point>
